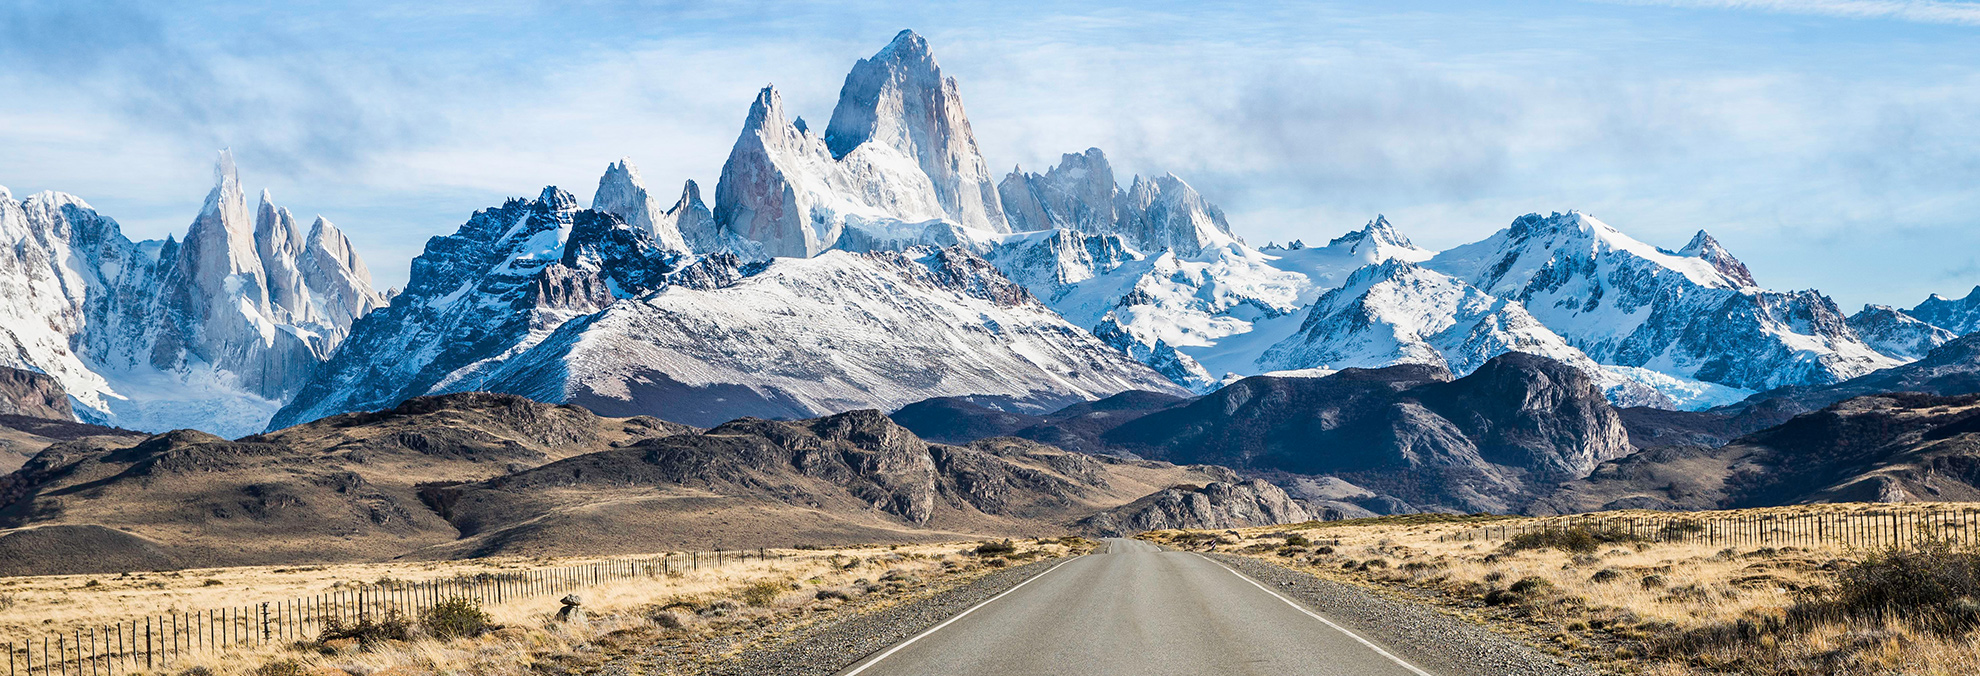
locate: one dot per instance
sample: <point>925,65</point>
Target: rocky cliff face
<point>1215,505</point>
<point>35,395</point>
<point>899,100</point>
<point>211,332</point>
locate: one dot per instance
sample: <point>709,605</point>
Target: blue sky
<point>1832,144</point>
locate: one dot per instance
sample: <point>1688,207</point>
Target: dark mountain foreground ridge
<point>478,474</point>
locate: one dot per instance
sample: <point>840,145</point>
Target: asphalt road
<point>1136,610</point>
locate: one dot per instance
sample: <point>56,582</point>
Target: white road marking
<point>1371,646</point>
<point>936,628</point>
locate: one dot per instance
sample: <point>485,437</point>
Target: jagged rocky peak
<point>621,192</point>
<point>1629,304</point>
<point>1397,312</point>
<point>1080,193</point>
<point>1704,247</point>
<point>900,100</point>
<point>219,251</point>
<point>1960,316</point>
<point>279,244</point>
<point>211,330</point>
<point>1896,333</point>
<point>1377,233</point>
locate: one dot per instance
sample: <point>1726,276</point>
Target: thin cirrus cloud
<point>1823,157</point>
<point>1924,11</point>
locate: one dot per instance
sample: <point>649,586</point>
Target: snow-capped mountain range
<point>214,331</point>
<point>869,266</point>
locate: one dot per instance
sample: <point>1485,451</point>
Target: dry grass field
<point>1641,605</point>
<point>733,602</point>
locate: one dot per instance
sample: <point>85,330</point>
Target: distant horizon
<point>1833,145</point>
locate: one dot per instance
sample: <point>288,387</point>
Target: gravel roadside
<point>831,646</point>
<point>1418,633</point>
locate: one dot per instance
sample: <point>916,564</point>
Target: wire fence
<point>1873,528</point>
<point>155,641</point>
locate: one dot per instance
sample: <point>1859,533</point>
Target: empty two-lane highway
<point>1134,609</point>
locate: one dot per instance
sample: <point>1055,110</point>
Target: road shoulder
<point>833,646</point>
<point>1416,632</point>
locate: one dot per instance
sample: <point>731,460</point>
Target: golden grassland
<point>701,613</point>
<point>1645,606</point>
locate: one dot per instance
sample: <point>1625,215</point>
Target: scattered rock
<point>573,610</point>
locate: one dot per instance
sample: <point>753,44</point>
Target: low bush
<point>1932,586</point>
<point>368,631</point>
<point>761,593</point>
<point>995,548</point>
<point>455,618</point>
<point>1576,540</point>
<point>1936,586</point>
<point>281,668</point>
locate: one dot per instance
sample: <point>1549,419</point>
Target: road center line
<point>1309,613</point>
<point>897,647</point>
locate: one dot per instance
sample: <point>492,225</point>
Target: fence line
<point>1863,529</point>
<point>154,641</point>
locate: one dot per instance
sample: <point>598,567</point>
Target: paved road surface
<point>1135,610</point>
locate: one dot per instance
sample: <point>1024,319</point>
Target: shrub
<point>1935,585</point>
<point>1577,540</point>
<point>455,618</point>
<point>995,548</point>
<point>1606,575</point>
<point>761,593</point>
<point>1297,540</point>
<point>367,631</point>
<point>281,668</point>
<point>1529,585</point>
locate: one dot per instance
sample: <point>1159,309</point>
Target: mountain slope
<point>1477,443</point>
<point>852,477</point>
<point>1693,314</point>
<point>1397,312</point>
<point>1896,333</point>
<point>1080,194</point>
<point>543,299</point>
<point>342,488</point>
<point>1897,447</point>
<point>1960,316</point>
<point>1201,319</point>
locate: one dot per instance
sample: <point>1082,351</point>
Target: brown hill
<point>1881,448</point>
<point>852,477</point>
<point>341,488</point>
<point>478,474</point>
